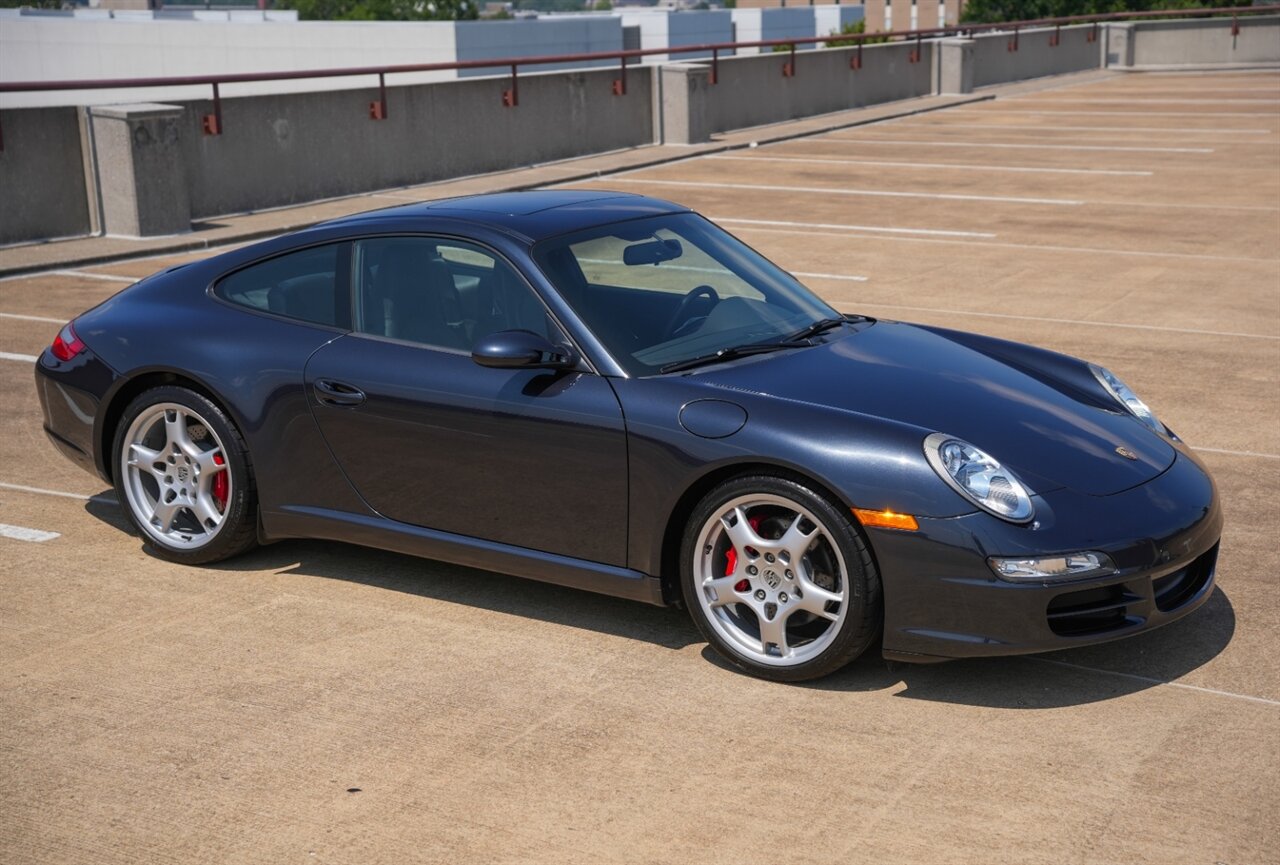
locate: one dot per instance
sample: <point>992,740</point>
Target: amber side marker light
<point>886,520</point>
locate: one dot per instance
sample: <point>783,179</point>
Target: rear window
<point>301,285</point>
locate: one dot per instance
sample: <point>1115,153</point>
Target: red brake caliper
<point>221,484</point>
<point>731,558</point>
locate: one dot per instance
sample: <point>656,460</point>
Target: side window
<point>302,285</point>
<point>442,293</point>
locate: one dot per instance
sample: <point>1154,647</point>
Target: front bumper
<point>942,600</point>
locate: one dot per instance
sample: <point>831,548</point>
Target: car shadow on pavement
<point>1070,677</point>
<point>1055,680</point>
<point>472,587</point>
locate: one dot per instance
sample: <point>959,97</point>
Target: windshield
<point>667,289</point>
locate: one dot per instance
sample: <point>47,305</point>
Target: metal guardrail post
<point>1055,38</point>
<point>620,83</point>
<point>789,68</point>
<point>212,123</point>
<point>378,108</point>
<point>1013,42</point>
<point>511,96</point>
<point>855,62</point>
<point>715,65</point>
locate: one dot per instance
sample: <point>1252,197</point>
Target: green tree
<point>602,6</point>
<point>855,29</point>
<point>382,10</point>
<point>994,11</point>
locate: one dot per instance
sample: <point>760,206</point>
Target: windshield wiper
<point>731,353</point>
<point>820,326</point>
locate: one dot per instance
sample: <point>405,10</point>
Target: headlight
<point>978,477</point>
<point>1124,395</point>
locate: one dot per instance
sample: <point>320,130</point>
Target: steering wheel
<point>682,317</point>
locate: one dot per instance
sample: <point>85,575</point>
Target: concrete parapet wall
<point>42,185</point>
<point>1035,57</point>
<point>290,148</point>
<point>752,89</point>
<point>1173,43</point>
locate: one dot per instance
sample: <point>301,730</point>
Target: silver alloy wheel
<point>176,476</point>
<point>776,591</point>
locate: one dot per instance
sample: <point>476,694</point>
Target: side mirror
<point>515,349</point>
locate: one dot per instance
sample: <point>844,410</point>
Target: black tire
<point>237,531</point>
<point>858,625</point>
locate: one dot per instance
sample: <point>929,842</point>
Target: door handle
<point>338,394</point>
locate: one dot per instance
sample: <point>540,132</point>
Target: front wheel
<point>183,475</point>
<point>779,580</point>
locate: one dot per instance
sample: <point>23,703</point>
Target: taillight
<point>66,344</point>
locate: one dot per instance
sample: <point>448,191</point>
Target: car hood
<point>912,375</point>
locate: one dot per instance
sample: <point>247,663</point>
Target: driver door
<point>532,458</point>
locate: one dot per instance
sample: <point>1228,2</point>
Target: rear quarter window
<point>301,285</point>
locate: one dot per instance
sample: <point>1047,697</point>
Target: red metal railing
<point>212,123</point>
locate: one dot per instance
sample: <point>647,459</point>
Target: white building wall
<point>832,19</point>
<point>34,48</point>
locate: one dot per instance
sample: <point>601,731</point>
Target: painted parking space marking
<point>22,533</point>
<point>885,229</point>
<point>1090,323</point>
<point>879,193</point>
<point>88,274</point>
<point>1125,114</point>
<point>1005,145</point>
<point>1197,688</point>
<point>104,498</point>
<point>1142,100</point>
<point>15,315</point>
<point>849,231</point>
<point>833,276</point>
<point>21,358</point>
<point>1028,169</point>
<point>1239,453</point>
<point>1009,127</point>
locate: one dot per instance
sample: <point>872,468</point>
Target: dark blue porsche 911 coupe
<point>610,392</point>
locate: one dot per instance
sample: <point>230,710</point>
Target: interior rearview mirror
<point>652,252</point>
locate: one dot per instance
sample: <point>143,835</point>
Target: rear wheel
<point>779,580</point>
<point>184,477</point>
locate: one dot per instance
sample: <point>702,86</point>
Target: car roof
<point>535,214</point>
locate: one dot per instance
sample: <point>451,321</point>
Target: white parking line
<point>107,277</point>
<point>1089,322</point>
<point>835,276</point>
<point>947,165</point>
<point>1124,114</point>
<point>1010,127</point>
<point>104,499</point>
<point>851,231</point>
<point>1154,681</point>
<point>999,199</point>
<point>875,228</point>
<point>1142,100</point>
<point>1009,146</point>
<point>1238,453</point>
<point>23,358</point>
<point>32,317</point>
<point>21,533</point>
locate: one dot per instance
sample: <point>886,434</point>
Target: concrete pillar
<point>955,70</point>
<point>1119,45</point>
<point>143,181</point>
<point>684,103</point>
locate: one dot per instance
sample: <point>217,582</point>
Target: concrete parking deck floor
<point>230,714</point>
